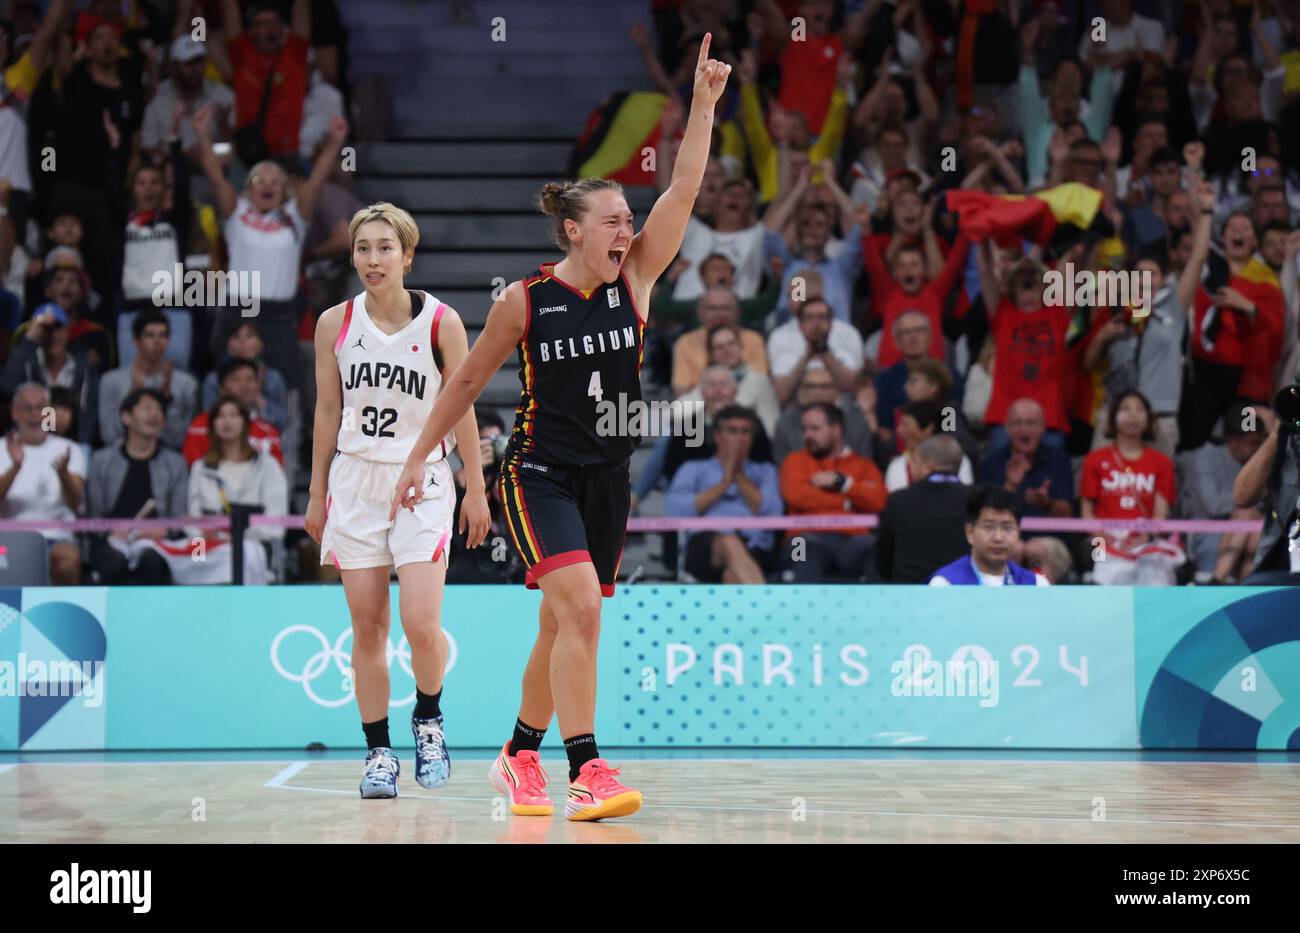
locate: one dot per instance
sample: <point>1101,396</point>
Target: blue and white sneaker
<point>432,763</point>
<point>382,769</point>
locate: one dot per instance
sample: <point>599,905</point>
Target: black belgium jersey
<point>579,371</point>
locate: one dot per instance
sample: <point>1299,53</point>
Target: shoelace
<point>602,778</point>
<point>430,733</point>
<point>532,776</point>
<point>381,763</point>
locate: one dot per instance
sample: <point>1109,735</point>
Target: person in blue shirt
<point>993,530</point>
<point>728,485</point>
<point>1038,474</point>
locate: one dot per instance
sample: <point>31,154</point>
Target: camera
<point>499,445</point>
<point>1287,406</point>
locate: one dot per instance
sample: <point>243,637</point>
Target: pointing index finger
<point>704,50</point>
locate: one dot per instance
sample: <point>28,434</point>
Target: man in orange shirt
<point>825,477</point>
<point>266,50</point>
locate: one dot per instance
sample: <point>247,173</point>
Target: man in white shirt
<point>188,89</point>
<point>42,477</point>
<point>1124,28</point>
<point>814,338</point>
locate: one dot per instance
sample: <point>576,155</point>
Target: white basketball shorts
<point>358,533</point>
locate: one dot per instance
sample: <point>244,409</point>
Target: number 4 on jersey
<point>593,387</point>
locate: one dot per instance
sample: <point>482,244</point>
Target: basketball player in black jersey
<point>577,326</point>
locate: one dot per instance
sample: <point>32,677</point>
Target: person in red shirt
<point>1237,322</point>
<point>237,378</point>
<point>903,287</point>
<point>270,50</point>
<point>808,65</point>
<point>1030,340</point>
<point>1130,479</point>
<point>825,477</point>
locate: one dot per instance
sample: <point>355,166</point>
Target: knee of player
<point>424,636</point>
<point>582,615</point>
<point>370,634</point>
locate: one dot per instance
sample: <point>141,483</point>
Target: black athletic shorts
<point>561,515</point>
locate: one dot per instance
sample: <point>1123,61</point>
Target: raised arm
<point>232,21</point>
<point>39,51</point>
<point>990,287</point>
<point>300,19</point>
<point>641,39</point>
<point>501,334</point>
<point>320,171</point>
<point>223,191</point>
<point>1190,277</point>
<point>661,237</point>
<point>780,211</point>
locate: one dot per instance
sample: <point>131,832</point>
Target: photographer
<point>1273,475</point>
<point>493,561</point>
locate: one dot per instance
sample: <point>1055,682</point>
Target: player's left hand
<point>475,519</point>
<point>710,75</point>
<point>410,489</point>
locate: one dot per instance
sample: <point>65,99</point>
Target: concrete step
<point>465,158</point>
<point>470,269</point>
<point>521,114</point>
<point>437,90</point>
<point>585,34</point>
<point>472,304</point>
<point>496,195</point>
<point>487,231</point>
<point>436,14</point>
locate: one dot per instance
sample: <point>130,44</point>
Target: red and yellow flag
<point>1033,217</point>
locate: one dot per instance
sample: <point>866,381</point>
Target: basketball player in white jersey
<point>379,363</point>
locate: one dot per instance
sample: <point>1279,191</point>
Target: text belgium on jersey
<point>556,349</point>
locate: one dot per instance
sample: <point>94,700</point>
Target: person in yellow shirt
<point>787,130</point>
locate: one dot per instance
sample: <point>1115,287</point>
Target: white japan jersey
<point>390,382</point>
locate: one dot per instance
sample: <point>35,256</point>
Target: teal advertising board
<point>680,666</point>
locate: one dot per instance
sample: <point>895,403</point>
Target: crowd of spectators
<point>860,348</point>
<point>152,154</point>
<point>853,345</point>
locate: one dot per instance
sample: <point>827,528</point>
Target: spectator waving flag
<point>1036,217</point>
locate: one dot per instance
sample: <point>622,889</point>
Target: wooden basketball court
<point>866,796</point>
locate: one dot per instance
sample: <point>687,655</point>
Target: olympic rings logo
<point>318,664</point>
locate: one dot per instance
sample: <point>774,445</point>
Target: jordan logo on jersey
<point>359,343</point>
<point>383,375</point>
<point>568,348</point>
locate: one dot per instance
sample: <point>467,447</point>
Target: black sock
<point>580,749</point>
<point>526,738</point>
<point>426,707</point>
<point>376,734</point>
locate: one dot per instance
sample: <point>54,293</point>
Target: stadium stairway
<point>480,125</point>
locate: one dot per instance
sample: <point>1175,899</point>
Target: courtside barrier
<point>681,666</point>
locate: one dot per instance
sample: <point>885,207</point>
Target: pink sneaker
<point>596,794</point>
<point>521,779</point>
